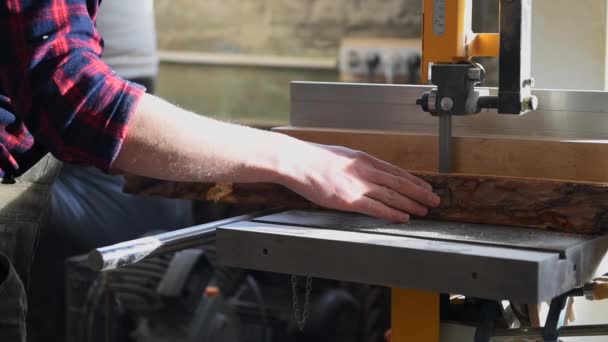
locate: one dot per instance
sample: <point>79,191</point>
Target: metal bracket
<point>514,80</point>
<point>456,83</point>
<point>490,312</point>
<point>556,318</point>
<point>455,95</point>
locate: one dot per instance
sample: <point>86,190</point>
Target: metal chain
<point>303,317</point>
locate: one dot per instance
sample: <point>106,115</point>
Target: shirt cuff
<point>118,127</point>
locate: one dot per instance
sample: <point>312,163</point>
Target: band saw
<point>424,258</point>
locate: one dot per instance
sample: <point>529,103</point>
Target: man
<point>81,195</point>
<point>57,96</point>
<point>87,207</point>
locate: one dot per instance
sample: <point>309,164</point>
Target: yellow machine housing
<point>447,35</point>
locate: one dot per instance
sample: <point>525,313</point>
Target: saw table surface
<point>492,262</point>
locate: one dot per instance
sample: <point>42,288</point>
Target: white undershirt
<point>128,30</point>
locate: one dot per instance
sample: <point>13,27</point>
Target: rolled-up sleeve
<point>76,106</point>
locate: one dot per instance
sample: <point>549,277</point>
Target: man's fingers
<point>405,187</point>
<point>372,207</point>
<point>396,200</point>
<point>397,171</point>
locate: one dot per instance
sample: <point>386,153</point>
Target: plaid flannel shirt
<point>56,95</point>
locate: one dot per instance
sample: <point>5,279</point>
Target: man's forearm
<point>167,142</point>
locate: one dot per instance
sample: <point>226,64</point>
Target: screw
<point>529,82</point>
<point>447,103</point>
<point>475,74</point>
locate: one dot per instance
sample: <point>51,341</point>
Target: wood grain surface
<point>546,158</point>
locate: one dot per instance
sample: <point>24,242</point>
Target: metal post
<point>130,252</point>
<point>415,316</point>
<point>555,318</point>
<point>514,94</point>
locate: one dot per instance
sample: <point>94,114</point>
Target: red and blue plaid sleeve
<point>69,100</point>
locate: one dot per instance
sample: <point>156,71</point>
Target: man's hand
<point>343,179</point>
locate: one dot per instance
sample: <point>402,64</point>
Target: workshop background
<point>234,60</point>
<point>310,31</point>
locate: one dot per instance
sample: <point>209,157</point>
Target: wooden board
<point>574,201</point>
<point>553,205</point>
<point>249,194</point>
<point>551,158</point>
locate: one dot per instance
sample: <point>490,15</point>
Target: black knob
<point>424,102</point>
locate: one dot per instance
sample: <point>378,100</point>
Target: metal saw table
<point>491,262</point>
<point>421,259</point>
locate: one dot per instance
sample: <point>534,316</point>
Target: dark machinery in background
<point>184,296</point>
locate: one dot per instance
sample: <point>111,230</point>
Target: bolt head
<point>475,74</point>
<point>447,103</point>
<point>529,82</point>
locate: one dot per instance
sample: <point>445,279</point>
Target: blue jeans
<point>88,210</point>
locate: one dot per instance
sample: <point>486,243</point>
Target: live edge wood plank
<point>564,206</point>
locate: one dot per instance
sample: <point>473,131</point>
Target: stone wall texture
<point>281,27</point>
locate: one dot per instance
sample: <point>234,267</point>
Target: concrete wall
<point>281,27</point>
<point>569,44</point>
<point>301,28</point>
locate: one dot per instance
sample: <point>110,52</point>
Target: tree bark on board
<point>570,207</point>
